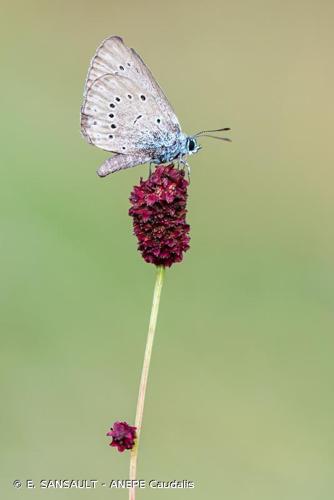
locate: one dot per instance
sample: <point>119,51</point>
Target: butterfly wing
<point>121,162</point>
<point>119,116</point>
<point>124,109</point>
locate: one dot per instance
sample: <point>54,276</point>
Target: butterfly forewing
<point>118,116</point>
<point>124,108</point>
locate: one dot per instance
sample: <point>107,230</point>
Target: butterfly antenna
<point>210,131</point>
<point>217,137</point>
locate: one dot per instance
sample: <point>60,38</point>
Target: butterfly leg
<point>187,166</point>
<point>188,171</point>
<point>181,163</point>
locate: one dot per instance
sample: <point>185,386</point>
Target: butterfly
<point>125,112</point>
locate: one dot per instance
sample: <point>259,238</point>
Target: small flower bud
<point>123,436</point>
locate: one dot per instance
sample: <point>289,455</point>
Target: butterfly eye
<point>191,145</point>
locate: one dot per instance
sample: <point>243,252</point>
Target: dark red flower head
<point>159,216</point>
<point>123,436</point>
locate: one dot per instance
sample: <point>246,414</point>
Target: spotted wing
<point>119,116</point>
<point>124,107</point>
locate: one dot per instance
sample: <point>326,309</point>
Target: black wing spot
<point>113,125</point>
<point>138,117</point>
<point>95,123</point>
<point>117,99</point>
<point>111,115</point>
<point>111,136</point>
<point>129,65</point>
<point>158,120</point>
<point>121,68</point>
<point>143,98</point>
<point>123,147</point>
<point>129,96</point>
<point>112,105</point>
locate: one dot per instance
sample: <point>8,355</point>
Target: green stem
<point>144,374</point>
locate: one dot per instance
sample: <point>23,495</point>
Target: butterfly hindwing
<point>121,162</point>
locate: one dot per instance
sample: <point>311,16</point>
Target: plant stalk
<point>144,374</point>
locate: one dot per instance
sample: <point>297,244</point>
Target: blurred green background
<point>240,396</point>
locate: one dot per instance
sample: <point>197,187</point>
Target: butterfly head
<point>208,133</point>
<point>192,145</point>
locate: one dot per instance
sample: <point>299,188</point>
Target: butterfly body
<point>171,148</point>
<point>126,112</point>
